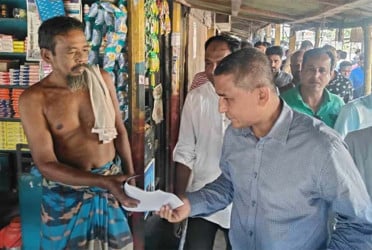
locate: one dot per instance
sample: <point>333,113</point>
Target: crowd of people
<point>287,177</point>
<point>257,156</point>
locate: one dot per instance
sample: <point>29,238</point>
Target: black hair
<point>306,44</point>
<point>247,64</point>
<point>259,43</point>
<point>274,50</point>
<point>345,64</point>
<point>54,26</point>
<point>318,52</point>
<point>232,43</point>
<point>244,44</point>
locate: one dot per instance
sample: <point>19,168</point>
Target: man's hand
<point>114,184</point>
<point>176,215</point>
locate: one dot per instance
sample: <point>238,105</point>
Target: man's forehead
<point>322,59</point>
<point>217,46</point>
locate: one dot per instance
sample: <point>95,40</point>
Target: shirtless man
<point>82,186</point>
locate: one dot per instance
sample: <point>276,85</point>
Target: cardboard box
<point>5,65</point>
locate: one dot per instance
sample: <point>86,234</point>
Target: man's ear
<point>46,55</point>
<point>263,95</point>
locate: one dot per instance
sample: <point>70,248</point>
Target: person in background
<point>339,85</point>
<point>261,46</point>
<point>357,78</point>
<point>281,194</point>
<point>296,64</point>
<point>244,44</point>
<point>360,148</point>
<point>73,125</point>
<point>311,97</point>
<point>281,78</point>
<point>355,115</point>
<point>306,45</point>
<point>198,150</point>
<point>341,56</point>
<point>345,69</point>
<point>211,63</point>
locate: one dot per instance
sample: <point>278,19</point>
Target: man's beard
<point>79,82</point>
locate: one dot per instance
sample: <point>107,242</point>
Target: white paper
<point>150,201</point>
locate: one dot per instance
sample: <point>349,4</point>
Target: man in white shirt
<point>198,149</point>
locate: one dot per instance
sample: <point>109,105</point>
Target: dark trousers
<point>201,233</point>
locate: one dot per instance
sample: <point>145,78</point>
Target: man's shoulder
<point>290,94</point>
<point>335,99</point>
<point>361,102</point>
<point>314,129</point>
<point>360,134</point>
<point>35,91</point>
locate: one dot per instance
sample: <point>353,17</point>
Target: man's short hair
<point>333,50</point>
<point>344,64</point>
<point>274,50</point>
<point>296,54</point>
<point>55,26</point>
<point>232,43</point>
<point>250,68</point>
<point>306,44</point>
<point>318,52</point>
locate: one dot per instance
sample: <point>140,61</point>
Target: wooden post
<point>317,37</point>
<point>268,33</point>
<point>292,41</point>
<point>136,59</point>
<point>367,58</point>
<point>278,34</point>
<point>177,66</point>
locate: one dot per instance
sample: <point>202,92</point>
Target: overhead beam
<point>331,11</point>
<point>264,13</point>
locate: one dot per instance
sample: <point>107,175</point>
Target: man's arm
<point>347,120</point>
<point>182,178</point>
<point>122,145</point>
<point>342,186</point>
<point>184,153</point>
<point>42,149</point>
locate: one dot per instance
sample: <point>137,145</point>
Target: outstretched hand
<point>175,215</point>
<point>114,184</point>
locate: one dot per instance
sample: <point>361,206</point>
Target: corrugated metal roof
<point>301,14</point>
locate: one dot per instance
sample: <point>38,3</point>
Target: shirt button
<point>250,233</point>
<point>253,203</point>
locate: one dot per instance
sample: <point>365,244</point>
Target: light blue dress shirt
<point>355,115</point>
<point>360,148</point>
<point>284,185</point>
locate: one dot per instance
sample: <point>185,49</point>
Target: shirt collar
<point>326,95</point>
<point>280,130</point>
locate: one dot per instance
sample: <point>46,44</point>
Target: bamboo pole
<point>278,34</point>
<point>136,59</point>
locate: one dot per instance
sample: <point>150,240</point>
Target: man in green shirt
<point>311,97</point>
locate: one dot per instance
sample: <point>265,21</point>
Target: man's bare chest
<point>69,111</point>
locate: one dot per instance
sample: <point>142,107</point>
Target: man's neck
<point>272,111</point>
<point>312,97</point>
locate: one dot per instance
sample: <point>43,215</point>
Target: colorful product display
<point>106,30</point>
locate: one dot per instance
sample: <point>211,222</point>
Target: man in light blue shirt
<point>360,148</point>
<point>285,172</point>
<point>355,115</point>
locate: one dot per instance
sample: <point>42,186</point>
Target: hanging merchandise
<point>165,23</point>
<point>50,8</point>
<point>157,112</point>
<point>106,30</point>
<point>152,41</point>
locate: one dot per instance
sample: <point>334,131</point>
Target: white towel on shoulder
<point>102,105</point>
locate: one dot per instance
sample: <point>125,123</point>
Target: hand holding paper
<point>150,201</point>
